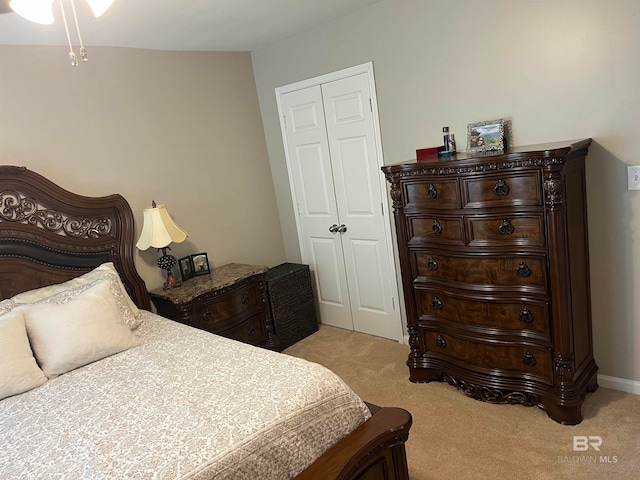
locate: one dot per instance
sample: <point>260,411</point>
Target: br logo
<point>581,443</point>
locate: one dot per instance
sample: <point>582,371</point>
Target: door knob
<point>342,228</point>
<point>334,228</point>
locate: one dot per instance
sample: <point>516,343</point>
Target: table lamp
<point>159,231</point>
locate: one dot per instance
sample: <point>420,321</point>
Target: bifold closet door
<point>316,204</point>
<point>334,166</point>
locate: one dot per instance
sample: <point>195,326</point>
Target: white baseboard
<point>622,384</point>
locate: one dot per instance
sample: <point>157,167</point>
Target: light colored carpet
<point>455,437</point>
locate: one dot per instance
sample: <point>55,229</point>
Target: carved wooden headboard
<point>49,235</point>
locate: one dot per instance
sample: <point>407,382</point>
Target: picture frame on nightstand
<point>187,270</point>
<point>200,262</point>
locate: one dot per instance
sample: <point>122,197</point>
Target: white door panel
<point>347,108</point>
<point>305,117</point>
<point>352,161</point>
<point>366,262</point>
<point>325,257</point>
<point>312,176</point>
<point>317,199</point>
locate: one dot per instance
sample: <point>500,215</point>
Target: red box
<point>425,154</point>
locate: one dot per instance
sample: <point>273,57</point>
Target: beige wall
<point>181,128</point>
<point>559,70</point>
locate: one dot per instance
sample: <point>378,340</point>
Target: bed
<point>104,388</point>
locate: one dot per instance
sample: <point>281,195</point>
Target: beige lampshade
<point>158,229</point>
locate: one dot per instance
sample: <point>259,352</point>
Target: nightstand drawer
<point>212,315</point>
<point>249,331</point>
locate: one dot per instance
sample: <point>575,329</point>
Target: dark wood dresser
<point>495,267</point>
<point>230,301</point>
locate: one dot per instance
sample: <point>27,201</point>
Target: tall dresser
<point>495,267</point>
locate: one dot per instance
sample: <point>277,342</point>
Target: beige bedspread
<point>184,404</point>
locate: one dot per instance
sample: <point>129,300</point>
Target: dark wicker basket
<point>291,302</point>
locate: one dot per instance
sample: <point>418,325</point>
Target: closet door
<point>336,180</point>
<point>311,169</point>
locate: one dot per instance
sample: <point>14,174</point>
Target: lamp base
<point>171,281</point>
<point>167,262</point>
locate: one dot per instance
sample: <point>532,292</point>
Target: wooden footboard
<point>375,450</point>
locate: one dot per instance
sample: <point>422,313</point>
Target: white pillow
<point>33,296</point>
<point>62,292</point>
<point>19,371</point>
<point>85,329</point>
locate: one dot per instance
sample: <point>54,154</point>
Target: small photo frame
<point>186,268</point>
<point>486,136</point>
<point>200,263</point>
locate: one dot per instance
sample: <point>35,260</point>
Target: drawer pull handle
<point>432,192</point>
<point>505,227</point>
<point>245,298</point>
<point>523,270</point>
<point>207,315</point>
<point>436,227</point>
<point>529,360</point>
<point>436,303</point>
<point>432,264</point>
<point>252,330</point>
<point>526,316</point>
<point>500,188</point>
<point>441,342</point>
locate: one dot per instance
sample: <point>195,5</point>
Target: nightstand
<point>231,301</point>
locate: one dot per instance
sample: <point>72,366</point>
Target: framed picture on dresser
<point>486,136</point>
<point>200,262</point>
<point>186,268</point>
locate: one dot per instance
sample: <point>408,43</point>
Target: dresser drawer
<point>527,318</point>
<point>508,229</point>
<point>502,190</point>
<point>249,331</point>
<point>435,229</point>
<point>506,271</point>
<point>431,192</point>
<point>214,313</point>
<point>501,359</point>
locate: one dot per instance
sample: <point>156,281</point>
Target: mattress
<point>185,404</point>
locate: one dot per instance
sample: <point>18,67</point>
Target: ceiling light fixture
<point>41,11</point>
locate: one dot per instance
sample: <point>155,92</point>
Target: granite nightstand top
<point>218,278</point>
